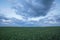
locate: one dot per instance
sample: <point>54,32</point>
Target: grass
<point>29,33</point>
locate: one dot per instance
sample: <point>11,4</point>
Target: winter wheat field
<point>29,19</point>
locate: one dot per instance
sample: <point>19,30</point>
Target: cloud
<point>31,13</point>
<point>10,13</point>
<point>36,18</point>
<point>36,7</point>
<point>52,18</point>
<point>4,20</point>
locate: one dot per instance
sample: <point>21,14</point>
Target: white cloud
<point>35,19</point>
<point>6,21</point>
<point>10,13</point>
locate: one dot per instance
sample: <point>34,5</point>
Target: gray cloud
<point>32,8</point>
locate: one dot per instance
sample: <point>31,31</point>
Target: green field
<point>29,33</point>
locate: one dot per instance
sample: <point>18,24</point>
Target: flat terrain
<point>29,33</point>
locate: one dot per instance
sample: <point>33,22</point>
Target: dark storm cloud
<point>57,18</point>
<point>47,4</point>
<point>33,7</point>
<point>2,17</point>
<point>44,8</point>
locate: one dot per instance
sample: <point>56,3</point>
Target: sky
<point>30,13</point>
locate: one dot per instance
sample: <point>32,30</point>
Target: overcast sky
<point>29,12</point>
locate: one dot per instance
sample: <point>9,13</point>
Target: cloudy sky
<point>29,12</point>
